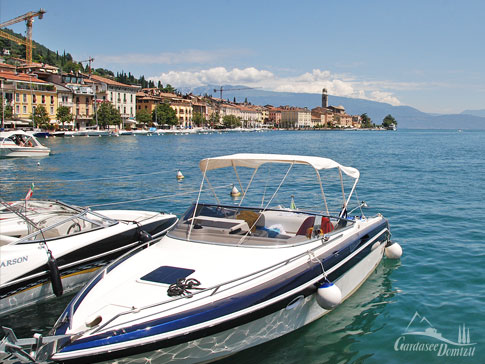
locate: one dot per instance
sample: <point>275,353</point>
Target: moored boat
<point>228,276</point>
<point>18,143</point>
<point>48,248</point>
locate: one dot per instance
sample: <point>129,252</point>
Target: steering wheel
<point>75,227</point>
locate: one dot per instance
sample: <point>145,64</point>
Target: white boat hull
<point>296,315</point>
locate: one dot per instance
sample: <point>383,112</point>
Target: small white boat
<point>48,248</point>
<point>97,132</point>
<point>18,143</point>
<point>227,277</point>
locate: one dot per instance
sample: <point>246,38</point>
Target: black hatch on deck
<point>167,274</point>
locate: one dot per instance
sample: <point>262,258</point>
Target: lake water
<point>429,184</point>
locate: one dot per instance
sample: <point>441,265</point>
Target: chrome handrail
<point>216,288</point>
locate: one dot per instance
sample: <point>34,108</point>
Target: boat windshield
<point>254,226</point>
<point>46,220</point>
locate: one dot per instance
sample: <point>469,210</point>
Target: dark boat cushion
<point>167,274</point>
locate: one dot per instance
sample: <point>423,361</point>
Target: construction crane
<point>220,90</point>
<point>29,19</point>
<point>89,60</point>
<point>14,38</point>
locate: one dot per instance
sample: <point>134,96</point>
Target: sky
<point>420,53</point>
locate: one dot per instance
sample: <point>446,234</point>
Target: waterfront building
<point>183,110</point>
<point>122,96</point>
<point>147,101</point>
<point>201,106</point>
<point>79,97</point>
<point>40,69</point>
<point>295,117</point>
<point>340,117</point>
<point>228,109</point>
<point>83,96</point>
<point>316,120</point>
<point>25,92</point>
<point>251,116</point>
<point>335,116</point>
<point>274,115</point>
<point>65,98</point>
<point>356,121</point>
<point>264,115</point>
<point>7,68</point>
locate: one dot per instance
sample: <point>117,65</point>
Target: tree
<point>388,121</point>
<point>366,121</point>
<point>8,109</point>
<point>198,119</point>
<point>64,115</point>
<point>164,114</point>
<point>143,116</point>
<point>40,117</point>
<point>214,119</point>
<point>108,114</point>
<point>231,121</point>
<point>169,89</point>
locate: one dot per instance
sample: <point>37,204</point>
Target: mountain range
<point>406,116</point>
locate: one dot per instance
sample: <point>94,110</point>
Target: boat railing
<point>325,239</point>
<point>81,214</point>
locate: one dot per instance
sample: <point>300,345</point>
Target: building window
<point>52,110</point>
<point>131,98</point>
<point>77,111</point>
<point>87,100</point>
<point>131,111</point>
<point>87,111</point>
<point>17,97</point>
<point>25,109</point>
<point>43,99</point>
<point>77,99</point>
<point>17,109</point>
<point>111,96</point>
<point>24,97</point>
<point>124,109</point>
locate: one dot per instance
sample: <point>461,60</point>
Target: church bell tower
<point>324,98</point>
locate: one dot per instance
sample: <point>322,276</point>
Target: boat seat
<point>253,219</point>
<point>306,226</point>
<point>326,226</point>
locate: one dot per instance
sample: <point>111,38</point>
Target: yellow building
<point>26,92</point>
<point>184,111</point>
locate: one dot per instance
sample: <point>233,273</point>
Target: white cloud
<point>214,76</point>
<point>309,82</point>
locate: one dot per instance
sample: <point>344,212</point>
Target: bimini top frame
<point>254,161</point>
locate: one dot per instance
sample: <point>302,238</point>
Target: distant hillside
<point>406,116</point>
<point>480,112</point>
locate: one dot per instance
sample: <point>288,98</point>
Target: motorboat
<point>228,276</point>
<point>18,143</point>
<point>49,248</point>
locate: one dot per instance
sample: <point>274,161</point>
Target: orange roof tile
<point>20,77</point>
<point>110,82</point>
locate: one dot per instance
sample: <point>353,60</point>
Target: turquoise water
<point>429,184</point>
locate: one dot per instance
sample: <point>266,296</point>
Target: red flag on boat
<point>30,192</point>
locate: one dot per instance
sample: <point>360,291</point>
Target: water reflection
<point>332,338</point>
